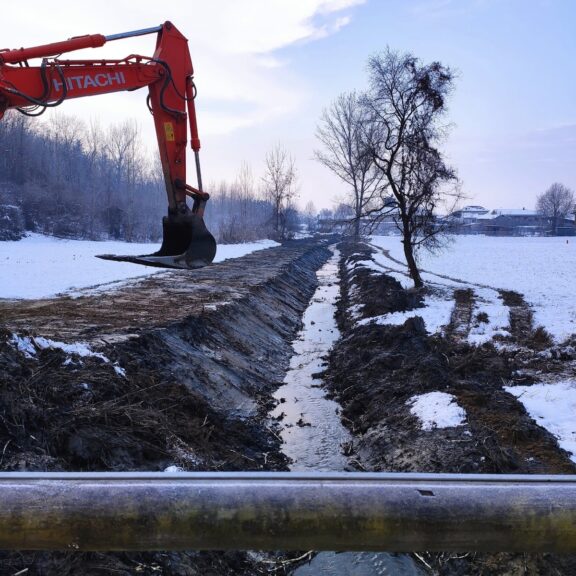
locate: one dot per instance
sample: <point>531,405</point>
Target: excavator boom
<point>168,74</point>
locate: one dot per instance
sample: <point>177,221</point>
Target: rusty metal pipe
<point>284,511</point>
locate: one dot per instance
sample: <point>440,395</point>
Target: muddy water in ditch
<point>313,434</point>
<point>311,429</point>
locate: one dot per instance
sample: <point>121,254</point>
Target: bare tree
<point>556,203</point>
<point>245,187</point>
<point>279,186</point>
<point>124,150</point>
<point>405,103</point>
<point>94,144</point>
<point>310,216</point>
<point>237,212</point>
<point>238,218</point>
<point>344,131</point>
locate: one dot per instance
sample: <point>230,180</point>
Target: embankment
<point>376,370</point>
<point>176,371</point>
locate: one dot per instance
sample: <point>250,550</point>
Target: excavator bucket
<point>186,243</point>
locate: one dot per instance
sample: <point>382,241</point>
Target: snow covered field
<point>542,269</point>
<point>41,266</point>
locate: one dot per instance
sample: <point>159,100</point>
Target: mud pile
<point>374,371</point>
<point>177,371</point>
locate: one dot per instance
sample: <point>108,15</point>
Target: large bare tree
<point>344,130</point>
<point>556,203</point>
<point>279,186</point>
<point>405,105</point>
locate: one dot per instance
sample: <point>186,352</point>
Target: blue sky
<point>513,107</point>
<point>266,68</point>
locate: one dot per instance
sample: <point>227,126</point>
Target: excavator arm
<point>168,75</point>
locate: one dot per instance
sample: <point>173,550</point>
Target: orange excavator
<point>168,74</point>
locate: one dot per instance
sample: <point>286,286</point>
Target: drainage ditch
<point>314,438</point>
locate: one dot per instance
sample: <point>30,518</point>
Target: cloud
<point>234,45</point>
<point>263,26</point>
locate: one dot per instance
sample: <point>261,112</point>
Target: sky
<point>265,69</point>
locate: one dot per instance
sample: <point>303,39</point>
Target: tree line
<point>70,179</point>
<point>74,180</point>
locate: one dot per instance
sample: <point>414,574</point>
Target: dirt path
<point>462,315</point>
<point>153,302</point>
<point>181,376</point>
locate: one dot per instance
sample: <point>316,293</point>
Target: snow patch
<point>435,313</point>
<point>23,344</point>
<point>437,410</point>
<point>552,406</point>
<point>370,264</point>
<point>119,370</point>
<point>355,311</point>
<point>489,303</point>
<point>30,345</point>
<point>77,348</point>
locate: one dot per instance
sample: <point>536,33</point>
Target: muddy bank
<point>175,372</point>
<point>376,370</point>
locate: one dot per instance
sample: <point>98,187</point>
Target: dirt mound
<point>375,370</point>
<point>191,390</point>
<point>373,294</point>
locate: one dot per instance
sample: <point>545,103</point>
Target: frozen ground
<point>542,269</point>
<point>41,266</point>
<point>553,407</point>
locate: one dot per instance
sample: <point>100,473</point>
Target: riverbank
<point>390,362</point>
<point>175,373</point>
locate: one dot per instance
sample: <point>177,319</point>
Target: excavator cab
<point>168,74</point>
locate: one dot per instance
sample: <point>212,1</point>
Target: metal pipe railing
<point>287,511</point>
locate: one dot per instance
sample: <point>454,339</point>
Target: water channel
<point>313,435</point>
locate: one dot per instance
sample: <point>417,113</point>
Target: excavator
<point>168,74</point>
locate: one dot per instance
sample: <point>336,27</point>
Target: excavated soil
<point>375,369</point>
<point>186,366</point>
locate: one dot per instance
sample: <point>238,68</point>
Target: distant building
<point>467,220</point>
<point>513,222</point>
<point>470,212</point>
<point>506,222</point>
<point>464,221</point>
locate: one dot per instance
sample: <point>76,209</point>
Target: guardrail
<point>287,511</point>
